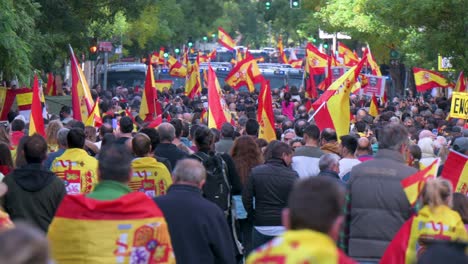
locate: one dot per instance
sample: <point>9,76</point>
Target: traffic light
<point>177,51</point>
<point>295,4</point>
<point>325,45</point>
<point>314,40</point>
<point>205,38</point>
<point>267,5</point>
<point>190,42</point>
<point>165,55</point>
<point>93,48</point>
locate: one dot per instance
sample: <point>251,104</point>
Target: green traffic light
<point>166,55</point>
<point>267,5</point>
<point>325,45</point>
<point>295,4</point>
<point>177,51</point>
<point>213,35</point>
<point>205,38</point>
<point>314,40</point>
<point>190,44</point>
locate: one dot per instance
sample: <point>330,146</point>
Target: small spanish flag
<point>456,171</point>
<point>36,121</point>
<point>225,40</point>
<point>374,107</point>
<point>426,80</point>
<point>414,184</point>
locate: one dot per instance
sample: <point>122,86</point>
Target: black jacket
<point>34,195</point>
<point>270,185</point>
<point>198,228</point>
<point>171,152</point>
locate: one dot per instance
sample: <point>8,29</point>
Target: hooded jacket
<point>33,195</point>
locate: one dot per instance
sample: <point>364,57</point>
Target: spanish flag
<point>94,118</point>
<point>193,84</point>
<point>154,59</point>
<point>374,107</point>
<point>218,112</point>
<point>246,72</point>
<point>373,65</point>
<point>316,63</point>
<point>349,58</point>
<point>225,40</point>
<point>439,223</point>
<point>282,56</point>
<point>426,79</point>
<point>297,64</point>
<point>412,185</point>
<point>36,121</point>
<point>51,88</point>
<point>461,83</point>
<point>161,56</point>
<point>82,102</point>
<point>130,229</point>
<point>148,101</point>
<point>176,68</point>
<point>456,171</point>
<point>265,115</point>
<point>161,84</point>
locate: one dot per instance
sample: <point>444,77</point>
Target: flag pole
<point>318,109</point>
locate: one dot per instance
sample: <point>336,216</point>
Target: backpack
<point>217,188</point>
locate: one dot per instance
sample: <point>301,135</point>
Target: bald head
<point>364,147</point>
<point>166,132</point>
<point>189,171</point>
<point>141,145</point>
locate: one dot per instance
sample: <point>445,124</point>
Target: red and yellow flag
<point>193,83</point>
<point>130,229</point>
<point>148,101</point>
<point>176,68</point>
<point>349,58</point>
<point>265,115</point>
<point>94,118</point>
<point>51,88</point>
<point>282,56</point>
<point>154,59</point>
<point>246,72</point>
<point>297,64</point>
<point>374,107</point>
<point>315,58</point>
<point>161,56</point>
<point>460,86</point>
<point>373,65</point>
<point>36,121</point>
<point>161,84</point>
<point>218,112</point>
<point>426,79</point>
<point>456,171</point>
<point>413,185</point>
<point>225,40</point>
<point>82,102</point>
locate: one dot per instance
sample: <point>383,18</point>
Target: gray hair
<point>329,160</point>
<point>62,136</point>
<point>166,132</point>
<point>189,170</point>
<point>393,136</point>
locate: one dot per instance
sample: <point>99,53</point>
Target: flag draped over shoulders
<point>130,229</point>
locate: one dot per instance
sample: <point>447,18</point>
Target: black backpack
<point>217,188</point>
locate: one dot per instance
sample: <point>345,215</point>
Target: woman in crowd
<point>287,107</point>
<point>415,156</point>
<point>51,134</point>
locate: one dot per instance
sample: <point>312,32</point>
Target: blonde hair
<point>52,130</point>
<point>437,192</point>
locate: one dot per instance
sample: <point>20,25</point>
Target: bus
<point>124,74</point>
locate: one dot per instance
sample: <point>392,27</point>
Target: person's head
<point>394,137</point>
<point>178,126</point>
<point>437,192</point>
<point>360,126</point>
<point>279,150</point>
<point>115,163</point>
<point>261,143</point>
<point>460,204</point>
<point>166,132</point>
<point>216,134</point>
<point>141,145</point>
<point>348,145</point>
<point>65,112</point>
<point>311,134</point>
<point>287,96</point>
<point>189,172</point>
<point>330,162</point>
<point>251,127</point>
<point>5,155</point>
<point>153,135</point>
<point>90,133</point>
<point>105,129</point>
<point>20,159</point>
<point>76,138</point>
<point>328,135</point>
<point>227,131</point>
<point>426,134</point>
<point>246,155</point>
<point>204,139</point>
<point>62,135</point>
<point>24,244</point>
<point>35,149</point>
<point>4,136</point>
<point>52,130</point>
<point>288,135</point>
<point>126,125</point>
<point>426,145</point>
<point>461,145</point>
<point>17,125</point>
<point>299,126</point>
<point>296,142</point>
<point>315,203</point>
<point>107,140</point>
<point>364,147</point>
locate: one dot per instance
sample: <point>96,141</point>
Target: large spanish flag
<point>176,68</point>
<point>265,115</point>
<point>426,79</point>
<point>413,184</point>
<point>245,73</point>
<point>456,171</point>
<point>316,63</point>
<point>193,83</point>
<point>130,229</point>
<point>149,98</point>
<point>461,83</point>
<point>218,112</point>
<point>225,40</point>
<point>349,57</point>
<point>36,121</point>
<point>82,102</point>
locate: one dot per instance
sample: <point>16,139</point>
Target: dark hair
<point>276,149</point>
<point>177,123</point>
<point>328,135</point>
<point>17,125</point>
<point>126,124</point>
<point>261,143</point>
<point>246,155</point>
<point>460,204</point>
<point>5,156</point>
<point>141,144</point>
<point>65,109</point>
<point>299,126</point>
<point>251,127</point>
<point>35,149</point>
<point>153,134</point>
<point>216,134</point>
<point>312,131</point>
<point>20,159</point>
<point>360,126</point>
<point>76,138</point>
<point>203,138</point>
<point>76,124</point>
<point>287,98</point>
<point>227,130</point>
<point>115,163</point>
<point>315,203</point>
<point>193,128</point>
<point>350,143</point>
<point>107,139</point>
<point>105,129</point>
<point>415,151</point>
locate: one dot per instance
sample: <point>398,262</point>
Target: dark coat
<point>170,152</point>
<point>34,195</point>
<point>378,206</point>
<point>199,230</point>
<point>270,185</point>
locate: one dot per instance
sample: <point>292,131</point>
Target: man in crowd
<point>34,193</point>
<point>251,128</point>
<point>305,160</point>
<point>348,160</point>
<point>269,185</point>
<point>329,165</point>
<point>17,131</point>
<point>75,167</point>
<point>62,146</point>
<point>126,128</point>
<point>198,228</point>
<point>224,145</point>
<point>104,129</point>
<point>149,175</point>
<point>329,141</point>
<point>364,150</point>
<point>378,207</point>
<point>122,226</point>
<point>313,220</point>
<point>165,148</point>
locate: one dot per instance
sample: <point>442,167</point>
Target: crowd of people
<point>126,192</point>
